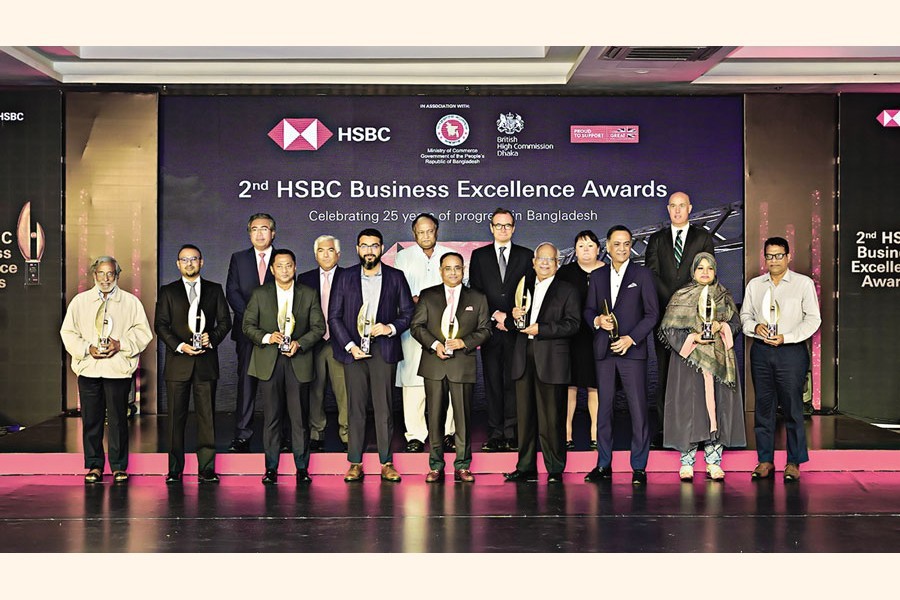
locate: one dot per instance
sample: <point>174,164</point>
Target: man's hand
<point>294,348</point>
<point>621,345</point>
<point>500,320</point>
<point>204,340</point>
<point>276,337</point>
<point>357,353</point>
<point>380,329</point>
<point>440,351</point>
<point>455,344</point>
<point>189,349</point>
<point>605,322</point>
<point>531,329</point>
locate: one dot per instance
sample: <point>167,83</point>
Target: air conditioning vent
<point>660,53</point>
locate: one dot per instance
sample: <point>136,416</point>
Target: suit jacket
<point>312,280</point>
<point>558,320</point>
<point>660,259</point>
<point>484,275</point>
<point>636,308</point>
<point>261,317</point>
<point>474,329</point>
<point>243,278</point>
<point>171,325</point>
<point>395,307</point>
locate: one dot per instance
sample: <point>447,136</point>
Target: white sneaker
<point>686,473</point>
<point>715,472</point>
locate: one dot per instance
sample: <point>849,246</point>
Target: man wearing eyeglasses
<point>780,312</point>
<point>373,297</point>
<point>188,305</point>
<point>495,271</point>
<point>247,270</point>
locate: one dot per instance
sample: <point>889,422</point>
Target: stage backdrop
<point>339,164</point>
<point>30,256</point>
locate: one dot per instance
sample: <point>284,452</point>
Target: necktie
<point>192,295</point>
<point>262,268</point>
<point>502,263</point>
<point>450,295</point>
<point>326,293</point>
<point>679,244</point>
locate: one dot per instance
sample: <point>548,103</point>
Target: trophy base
<point>706,334</point>
<point>196,343</point>
<point>285,345</point>
<point>447,351</point>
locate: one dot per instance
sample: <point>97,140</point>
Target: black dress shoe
<point>208,476</point>
<point>343,446</point>
<point>512,445</point>
<point>271,477</point>
<point>414,446</point>
<point>303,476</point>
<point>494,445</point>
<point>554,478</point>
<point>239,445</point>
<point>173,477</point>
<point>570,445</point>
<point>449,444</point>
<point>639,477</point>
<point>599,474</point>
<point>518,475</point>
<point>315,445</point>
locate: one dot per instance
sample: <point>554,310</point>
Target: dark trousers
<point>179,394</point>
<point>370,377</point>
<point>283,395</point>
<point>438,395</point>
<point>541,411</point>
<point>633,374</point>
<point>246,390</point>
<point>499,389</point>
<point>662,377</point>
<point>779,373</point>
<point>102,397</point>
<point>328,369</point>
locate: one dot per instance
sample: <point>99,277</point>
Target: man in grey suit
<point>284,321</point>
<point>450,374</point>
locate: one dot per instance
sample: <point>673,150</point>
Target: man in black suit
<point>670,252</point>
<point>495,271</point>
<point>450,377</point>
<point>247,270</point>
<point>188,368</point>
<point>327,251</point>
<point>540,366</point>
<point>284,321</point>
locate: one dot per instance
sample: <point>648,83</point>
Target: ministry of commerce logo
<point>452,130</point>
<point>510,123</point>
<point>300,134</point>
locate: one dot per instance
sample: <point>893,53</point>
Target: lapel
<point>548,299</point>
<point>627,280</point>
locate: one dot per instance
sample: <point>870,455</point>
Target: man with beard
<point>374,298</point>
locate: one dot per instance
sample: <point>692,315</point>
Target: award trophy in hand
<point>523,301</point>
<point>286,326</point>
<point>449,327</point>
<point>364,325</point>
<point>614,334</point>
<point>104,326</point>
<point>706,308</point>
<point>196,324</point>
<point>771,312</point>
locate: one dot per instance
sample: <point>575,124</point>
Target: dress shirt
<point>456,292</point>
<point>540,291</point>
<point>371,293</point>
<point>798,305</point>
<point>281,297</point>
<point>187,290</point>
<point>615,281</point>
<point>683,231</point>
<point>421,271</point>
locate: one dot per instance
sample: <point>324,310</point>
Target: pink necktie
<point>450,296</point>
<point>326,293</point>
<point>262,268</point>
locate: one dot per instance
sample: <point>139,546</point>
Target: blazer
<point>261,317</point>
<point>636,308</point>
<point>312,280</point>
<point>171,325</point>
<point>395,307</point>
<point>660,259</point>
<point>558,320</point>
<point>243,278</point>
<point>484,275</point>
<point>474,329</point>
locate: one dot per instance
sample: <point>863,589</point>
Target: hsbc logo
<point>889,118</point>
<point>311,134</point>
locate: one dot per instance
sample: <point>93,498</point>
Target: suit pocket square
<point>631,285</point>
<point>470,308</point>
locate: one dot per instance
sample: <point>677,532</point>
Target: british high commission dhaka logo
<point>300,134</point>
<point>452,130</point>
<point>510,123</point>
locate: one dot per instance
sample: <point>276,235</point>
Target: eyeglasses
<point>452,269</point>
<point>186,260</point>
<point>369,247</point>
<point>778,256</point>
<point>546,260</point>
<point>502,226</point>
<point>262,229</point>
<point>105,274</point>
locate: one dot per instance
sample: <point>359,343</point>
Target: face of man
<point>105,277</point>
<point>704,273</point>
<point>284,270</point>
<point>545,262</point>
<point>679,209</point>
<point>369,250</point>
<point>452,271</point>
<point>619,247</point>
<point>189,263</point>
<point>425,233</point>
<point>261,234</point>
<point>776,260</point>
<point>502,227</point>
<point>327,255</point>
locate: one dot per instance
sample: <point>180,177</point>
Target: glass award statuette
<point>286,324</point>
<point>449,327</point>
<point>104,326</point>
<point>706,308</point>
<point>771,312</point>
<point>523,301</point>
<point>196,324</point>
<point>364,325</point>
<point>30,236</point>
<point>614,334</point>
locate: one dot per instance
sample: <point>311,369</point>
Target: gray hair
<point>327,238</point>
<point>105,259</point>
<point>551,244</point>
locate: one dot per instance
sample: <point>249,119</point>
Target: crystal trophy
<point>104,326</point>
<point>706,308</point>
<point>364,328</point>
<point>449,327</point>
<point>196,324</point>
<point>771,312</point>
<point>523,301</point>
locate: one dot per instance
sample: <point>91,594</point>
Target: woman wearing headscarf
<point>704,404</point>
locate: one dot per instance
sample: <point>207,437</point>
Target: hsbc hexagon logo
<point>300,134</point>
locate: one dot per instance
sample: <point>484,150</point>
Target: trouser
<point>440,396</point>
<point>540,408</point>
<point>633,374</point>
<point>414,405</point>
<point>102,397</point>
<point>370,377</point>
<point>179,394</point>
<point>281,394</point>
<point>246,390</point>
<point>328,370</point>
<point>779,373</point>
<point>499,390</point>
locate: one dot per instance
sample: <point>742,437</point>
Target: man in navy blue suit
<point>247,270</point>
<point>629,293</point>
<point>389,308</point>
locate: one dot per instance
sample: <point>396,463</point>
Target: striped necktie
<point>679,246</point>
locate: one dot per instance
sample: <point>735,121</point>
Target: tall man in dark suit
<point>284,321</point>
<point>389,308</point>
<point>540,366</point>
<point>629,293</point>
<point>450,377</point>
<point>327,251</point>
<point>495,271</point>
<point>191,369</point>
<point>670,252</point>
<point>247,270</point>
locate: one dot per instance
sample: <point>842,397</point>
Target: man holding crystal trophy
<point>104,331</point>
<point>284,321</point>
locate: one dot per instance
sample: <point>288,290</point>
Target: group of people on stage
<point>544,332</point>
